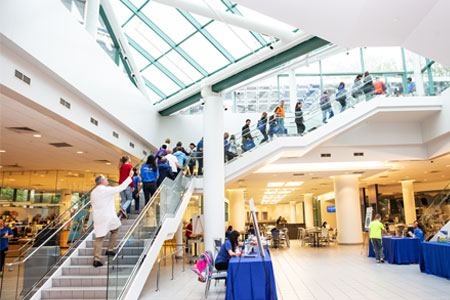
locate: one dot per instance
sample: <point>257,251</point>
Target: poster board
<point>368,218</point>
<point>255,225</point>
<point>197,224</point>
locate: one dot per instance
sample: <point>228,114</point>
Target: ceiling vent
<point>12,166</point>
<point>358,172</point>
<point>115,134</point>
<point>383,177</point>
<point>312,178</point>
<point>64,103</point>
<point>298,174</point>
<point>131,145</point>
<point>22,130</point>
<point>94,121</point>
<point>144,152</point>
<point>60,145</point>
<point>102,161</point>
<point>325,155</point>
<point>358,153</point>
<point>22,77</point>
<point>434,171</point>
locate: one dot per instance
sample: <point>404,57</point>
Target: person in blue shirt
<point>199,155</point>
<point>136,190</point>
<point>164,171</point>
<point>150,175</point>
<point>251,230</point>
<point>181,157</point>
<point>411,86</point>
<point>418,233</point>
<point>227,250</point>
<point>228,232</point>
<point>5,234</point>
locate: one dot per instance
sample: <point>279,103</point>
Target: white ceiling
<point>32,153</point>
<point>420,26</point>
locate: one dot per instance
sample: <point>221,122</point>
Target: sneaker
<point>110,253</point>
<point>382,261</point>
<point>124,213</point>
<point>378,261</point>
<point>97,264</point>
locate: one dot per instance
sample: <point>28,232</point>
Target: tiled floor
<point>336,272</point>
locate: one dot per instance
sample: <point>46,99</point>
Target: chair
<point>334,236</point>
<point>276,240</point>
<point>217,245</point>
<point>324,236</point>
<point>285,237</point>
<point>214,274</point>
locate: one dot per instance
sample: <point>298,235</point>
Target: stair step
<point>90,270</point>
<point>139,243</point>
<point>124,251</point>
<point>121,235</point>
<point>86,260</point>
<point>74,293</point>
<point>87,281</point>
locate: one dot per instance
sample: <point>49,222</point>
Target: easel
<point>197,231</point>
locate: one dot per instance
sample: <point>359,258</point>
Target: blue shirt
<point>411,87</point>
<point>227,234</point>
<point>148,175</point>
<point>223,256</point>
<point>4,243</point>
<point>200,146</point>
<point>251,231</point>
<point>136,180</point>
<point>181,158</point>
<point>419,234</point>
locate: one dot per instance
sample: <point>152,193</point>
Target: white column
<point>213,178</point>
<point>348,209</point>
<point>293,212</point>
<point>91,11</point>
<point>420,89</point>
<point>292,89</point>
<point>409,203</point>
<point>309,214</point>
<point>179,239</point>
<point>237,209</point>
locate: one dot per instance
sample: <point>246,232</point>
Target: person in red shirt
<point>188,232</point>
<point>127,195</point>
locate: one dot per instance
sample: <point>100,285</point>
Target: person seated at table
<point>251,230</point>
<point>375,230</point>
<point>418,233</point>
<point>228,232</point>
<point>325,225</point>
<point>280,218</point>
<point>227,250</point>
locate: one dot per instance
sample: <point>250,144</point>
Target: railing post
<point>173,265</point>
<point>157,276</point>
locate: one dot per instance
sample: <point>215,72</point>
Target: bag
<point>275,129</point>
<point>202,267</point>
<point>249,145</point>
<point>160,155</point>
<point>260,125</point>
<point>325,102</point>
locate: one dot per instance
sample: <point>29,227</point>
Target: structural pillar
<point>179,239</point>
<point>420,89</point>
<point>213,176</point>
<point>293,212</point>
<point>292,89</point>
<point>237,209</point>
<point>91,12</point>
<point>348,209</point>
<point>409,203</point>
<point>309,213</point>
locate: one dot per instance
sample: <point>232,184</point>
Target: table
<point>402,250</point>
<point>435,259</point>
<point>316,239</point>
<point>247,279</point>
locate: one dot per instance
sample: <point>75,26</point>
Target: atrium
<point>218,149</point>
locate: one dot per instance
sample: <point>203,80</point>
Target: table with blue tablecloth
<point>435,259</point>
<point>399,250</point>
<point>249,278</point>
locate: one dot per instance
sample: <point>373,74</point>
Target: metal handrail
<point>171,255</point>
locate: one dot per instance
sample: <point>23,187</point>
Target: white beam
<point>91,11</point>
<point>117,29</point>
<point>268,26</point>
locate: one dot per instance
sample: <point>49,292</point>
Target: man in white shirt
<point>173,161</point>
<point>105,216</point>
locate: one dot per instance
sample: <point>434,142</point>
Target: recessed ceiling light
<point>80,152</point>
<point>293,183</point>
<point>396,20</point>
<point>284,192</point>
<point>268,193</point>
<point>108,163</point>
<point>37,135</point>
<point>275,184</point>
<point>87,170</point>
<point>2,151</point>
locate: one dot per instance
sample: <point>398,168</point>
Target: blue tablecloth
<point>435,259</point>
<point>399,250</point>
<point>247,279</point>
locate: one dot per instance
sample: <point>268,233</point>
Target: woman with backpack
<point>227,250</point>
<point>299,118</point>
<point>341,96</point>
<point>262,127</point>
<point>150,175</point>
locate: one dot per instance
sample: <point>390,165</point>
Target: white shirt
<point>172,160</point>
<point>103,208</point>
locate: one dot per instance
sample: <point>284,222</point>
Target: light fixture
<point>80,152</point>
<point>108,163</point>
<point>37,135</point>
<point>87,170</point>
<point>293,183</point>
<point>2,151</point>
<point>275,184</point>
<point>284,192</point>
<point>269,193</point>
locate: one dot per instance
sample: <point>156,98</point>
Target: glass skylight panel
<point>169,20</point>
<point>152,95</point>
<point>164,83</point>
<point>180,68</point>
<point>140,61</point>
<point>121,11</point>
<point>232,42</point>
<point>204,53</point>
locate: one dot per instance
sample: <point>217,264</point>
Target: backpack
<point>160,155</point>
<point>260,125</point>
<point>325,102</point>
<point>202,267</point>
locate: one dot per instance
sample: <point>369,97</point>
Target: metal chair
<point>214,274</point>
<point>217,245</point>
<point>285,237</point>
<point>276,240</point>
<point>324,236</point>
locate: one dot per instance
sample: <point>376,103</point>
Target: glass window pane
<point>141,62</point>
<point>161,81</point>
<point>383,59</point>
<point>121,11</point>
<point>180,67</point>
<point>347,61</point>
<point>204,53</point>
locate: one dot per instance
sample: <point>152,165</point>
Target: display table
<point>435,259</point>
<point>247,278</point>
<point>399,250</point>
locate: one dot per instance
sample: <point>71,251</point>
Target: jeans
<point>2,258</point>
<point>280,122</point>
<point>222,266</point>
<point>127,198</point>
<point>265,137</point>
<point>149,190</point>
<point>378,248</point>
<point>325,114</point>
<point>300,127</point>
<point>136,199</point>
